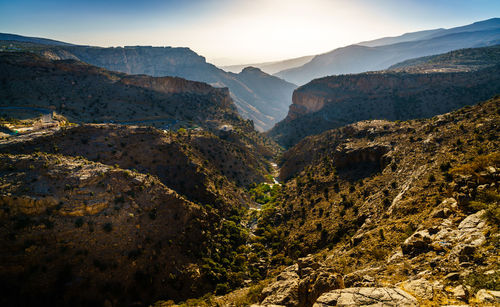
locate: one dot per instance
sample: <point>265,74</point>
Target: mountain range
<point>258,96</point>
<point>124,184</point>
<point>411,91</point>
<point>271,67</point>
<point>382,53</point>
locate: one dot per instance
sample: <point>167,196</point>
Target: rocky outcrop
<point>420,288</point>
<point>460,240</point>
<point>285,290</point>
<point>366,297</point>
<point>352,161</point>
<point>304,103</point>
<point>301,284</point>
<point>417,243</point>
<point>488,296</point>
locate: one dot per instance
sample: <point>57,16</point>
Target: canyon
<point>125,183</point>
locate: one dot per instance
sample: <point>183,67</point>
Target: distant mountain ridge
<point>271,67</point>
<point>35,40</point>
<point>252,102</point>
<point>407,37</point>
<point>470,59</point>
<point>377,55</point>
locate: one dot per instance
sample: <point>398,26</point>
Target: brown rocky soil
<point>79,232</point>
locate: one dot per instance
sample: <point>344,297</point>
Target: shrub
<point>483,281</point>
<point>444,166</point>
<point>475,167</point>
<point>119,199</point>
<point>221,289</point>
<point>254,293</point>
<point>152,214</point>
<point>108,227</point>
<point>79,222</point>
<point>378,253</point>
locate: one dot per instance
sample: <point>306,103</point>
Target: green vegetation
<point>264,193</point>
<point>479,281</point>
<point>226,260</point>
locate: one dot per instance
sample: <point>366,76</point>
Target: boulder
<point>488,296</point>
<point>301,284</point>
<point>366,297</point>
<point>466,253</point>
<point>361,278</point>
<point>445,209</point>
<point>421,288</point>
<point>284,291</point>
<point>315,284</point>
<point>472,222</point>
<point>417,243</point>
<point>461,293</point>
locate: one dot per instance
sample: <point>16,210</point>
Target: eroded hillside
<point>80,232</point>
<point>126,214</point>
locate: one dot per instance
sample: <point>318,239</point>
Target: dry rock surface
<point>301,283</point>
<point>366,297</point>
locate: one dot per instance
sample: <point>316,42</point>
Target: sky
<point>236,31</point>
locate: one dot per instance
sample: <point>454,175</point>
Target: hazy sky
<point>236,31</point>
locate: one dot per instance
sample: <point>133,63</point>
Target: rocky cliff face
<point>258,96</point>
<point>85,93</point>
<point>336,101</point>
<point>169,85</point>
<point>304,103</point>
<point>152,61</point>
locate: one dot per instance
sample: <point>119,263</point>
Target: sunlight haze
<point>234,32</point>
